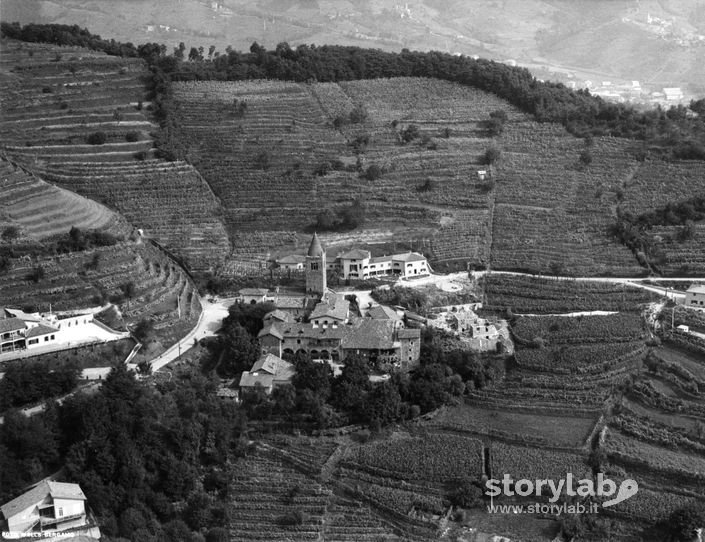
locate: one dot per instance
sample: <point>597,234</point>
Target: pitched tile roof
<point>336,307</point>
<point>368,334</point>
<point>253,291</point>
<point>57,490</point>
<point>11,324</point>
<point>279,315</point>
<point>409,257</point>
<point>266,370</point>
<point>382,312</point>
<point>40,330</point>
<point>697,289</point>
<point>271,329</point>
<point>355,254</point>
<point>292,259</point>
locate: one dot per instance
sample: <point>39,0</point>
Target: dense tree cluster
<point>343,219</point>
<point>28,382</point>
<point>78,239</point>
<point>150,460</point>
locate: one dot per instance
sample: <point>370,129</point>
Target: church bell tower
<point>316,268</point>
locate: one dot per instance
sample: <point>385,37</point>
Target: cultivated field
<point>54,98</point>
<point>40,210</point>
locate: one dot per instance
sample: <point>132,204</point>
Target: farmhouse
<point>268,372</point>
<point>47,507</point>
<point>695,296</point>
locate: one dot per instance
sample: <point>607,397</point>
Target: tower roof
<point>315,248</point>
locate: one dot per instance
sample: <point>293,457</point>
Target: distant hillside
<point>597,40</point>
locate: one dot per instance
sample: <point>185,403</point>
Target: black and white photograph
<point>352,270</point>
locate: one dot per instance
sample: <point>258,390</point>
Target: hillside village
<point>337,311</point>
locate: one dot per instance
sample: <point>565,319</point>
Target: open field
<point>54,98</point>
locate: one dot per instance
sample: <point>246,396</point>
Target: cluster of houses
<point>49,509</point>
<point>331,331</point>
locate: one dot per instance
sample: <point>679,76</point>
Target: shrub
<point>586,157</point>
<point>11,233</point>
<point>491,156</point>
<point>47,90</point>
<point>410,133</point>
<point>373,172</point>
<point>97,138</point>
<point>131,137</point>
<point>141,155</point>
<point>63,105</point>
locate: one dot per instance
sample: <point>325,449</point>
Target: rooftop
<point>315,249</point>
<point>11,324</point>
<point>253,291</point>
<point>355,254</point>
<point>278,314</point>
<point>292,259</point>
<point>382,312</point>
<point>57,490</point>
<point>335,307</point>
<point>409,257</point>
<point>40,330</point>
<point>697,289</point>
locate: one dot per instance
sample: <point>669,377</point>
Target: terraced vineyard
<point>263,163</point>
<point>54,98</point>
<point>40,210</point>
<point>89,278</point>
<point>535,295</point>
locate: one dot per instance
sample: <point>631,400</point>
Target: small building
<point>253,295</point>
<point>268,372</point>
<point>695,296</point>
<point>293,262</point>
<point>673,94</point>
<point>683,329</point>
<point>47,507</point>
<point>333,308</point>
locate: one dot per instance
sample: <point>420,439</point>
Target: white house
<point>673,93</point>
<point>695,296</point>
<point>47,507</point>
<point>359,264</point>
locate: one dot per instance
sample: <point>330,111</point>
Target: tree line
<point>679,129</point>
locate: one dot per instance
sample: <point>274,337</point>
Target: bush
<point>586,157</point>
<point>144,330</point>
<point>141,155</point>
<point>373,172</point>
<point>97,138</point>
<point>47,90</point>
<point>410,133</point>
<point>491,156</point>
<point>131,137</point>
<point>11,233</point>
